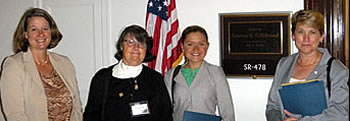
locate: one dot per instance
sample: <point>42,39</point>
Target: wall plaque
<point>253,43</point>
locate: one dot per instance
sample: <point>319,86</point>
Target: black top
<point>147,86</point>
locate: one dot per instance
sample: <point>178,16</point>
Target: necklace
<point>312,63</point>
<point>43,62</point>
<point>306,64</point>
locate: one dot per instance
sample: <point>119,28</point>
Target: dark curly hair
<point>141,35</point>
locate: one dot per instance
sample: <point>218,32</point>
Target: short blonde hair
<point>310,18</point>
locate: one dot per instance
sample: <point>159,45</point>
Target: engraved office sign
<point>252,43</point>
<point>253,37</point>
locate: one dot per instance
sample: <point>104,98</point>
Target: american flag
<point>162,24</point>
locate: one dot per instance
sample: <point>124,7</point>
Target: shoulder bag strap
<point>1,108</point>
<point>329,66</point>
<point>2,65</point>
<point>176,71</point>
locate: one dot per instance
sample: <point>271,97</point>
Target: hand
<point>289,118</point>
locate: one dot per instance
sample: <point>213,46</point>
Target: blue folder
<point>195,116</point>
<point>307,98</point>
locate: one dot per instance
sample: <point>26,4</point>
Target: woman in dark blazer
<point>36,84</point>
<point>129,90</point>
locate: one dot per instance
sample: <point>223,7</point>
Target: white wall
<point>9,10</point>
<point>110,16</point>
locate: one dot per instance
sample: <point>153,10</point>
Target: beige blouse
<point>59,98</point>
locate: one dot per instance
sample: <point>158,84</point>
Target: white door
<point>80,23</point>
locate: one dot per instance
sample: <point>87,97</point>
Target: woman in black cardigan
<point>128,90</point>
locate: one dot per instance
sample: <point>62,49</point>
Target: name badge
<point>139,108</point>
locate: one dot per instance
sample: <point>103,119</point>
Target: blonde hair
<point>310,18</point>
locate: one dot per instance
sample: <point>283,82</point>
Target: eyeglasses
<point>132,43</point>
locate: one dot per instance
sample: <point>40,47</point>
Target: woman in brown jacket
<point>36,84</point>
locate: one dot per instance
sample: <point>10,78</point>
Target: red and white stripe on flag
<point>162,24</point>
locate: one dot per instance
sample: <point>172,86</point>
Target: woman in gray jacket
<point>199,86</point>
<point>310,63</point>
